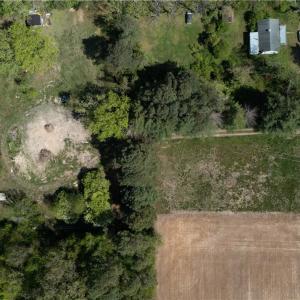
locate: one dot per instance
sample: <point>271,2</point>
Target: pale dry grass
<point>65,127</point>
<point>53,142</point>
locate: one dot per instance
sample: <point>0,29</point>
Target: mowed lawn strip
<point>255,173</point>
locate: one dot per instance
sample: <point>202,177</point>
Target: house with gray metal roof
<point>269,37</point>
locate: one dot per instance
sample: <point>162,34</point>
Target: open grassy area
<point>72,70</point>
<point>169,38</point>
<point>69,29</point>
<point>259,173</point>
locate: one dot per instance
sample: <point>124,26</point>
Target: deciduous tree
<point>110,119</point>
<point>33,50</point>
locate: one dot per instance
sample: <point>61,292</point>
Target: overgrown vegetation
<point>251,173</point>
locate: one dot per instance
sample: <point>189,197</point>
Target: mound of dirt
<point>45,155</point>
<point>40,133</point>
<point>53,140</point>
<point>49,127</point>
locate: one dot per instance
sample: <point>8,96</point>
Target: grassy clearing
<point>169,38</point>
<point>73,69</point>
<point>259,173</point>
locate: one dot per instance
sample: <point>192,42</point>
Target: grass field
<point>257,173</point>
<point>69,28</point>
<point>225,256</point>
<point>169,38</point>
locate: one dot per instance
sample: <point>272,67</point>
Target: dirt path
<point>222,133</point>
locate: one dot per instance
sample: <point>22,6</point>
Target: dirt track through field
<point>223,133</point>
<point>226,256</point>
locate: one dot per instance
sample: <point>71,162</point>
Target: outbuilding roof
<point>2,197</point>
<point>282,30</point>
<point>188,17</point>
<point>254,44</point>
<point>34,20</point>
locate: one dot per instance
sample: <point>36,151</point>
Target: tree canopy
<point>33,51</point>
<point>175,102</point>
<point>110,118</point>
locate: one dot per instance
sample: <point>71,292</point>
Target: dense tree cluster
<point>85,250</point>
<point>174,102</point>
<point>282,108</point>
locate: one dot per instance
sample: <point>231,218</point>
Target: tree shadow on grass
<point>296,54</point>
<point>249,97</point>
<point>107,27</point>
<point>156,73</point>
<point>95,48</point>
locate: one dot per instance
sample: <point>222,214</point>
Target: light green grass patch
<point>69,29</point>
<point>259,173</point>
<point>169,38</point>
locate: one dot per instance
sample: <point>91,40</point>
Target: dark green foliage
<point>176,102</point>
<point>137,248</point>
<point>61,278</point>
<point>81,252</point>
<point>85,102</point>
<point>53,4</point>
<point>11,9</point>
<point>138,253</point>
<point>256,13</point>
<point>124,55</point>
<point>138,163</point>
<point>282,111</point>
<point>139,203</point>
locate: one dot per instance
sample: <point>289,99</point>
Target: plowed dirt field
<point>226,256</point>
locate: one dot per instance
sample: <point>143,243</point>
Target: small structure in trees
<point>227,14</point>
<point>34,19</point>
<point>188,17</point>
<point>3,197</point>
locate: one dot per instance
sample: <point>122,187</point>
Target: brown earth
<point>226,256</point>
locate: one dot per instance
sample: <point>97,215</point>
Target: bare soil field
<point>220,256</point>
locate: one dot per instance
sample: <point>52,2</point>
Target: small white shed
<point>2,197</point>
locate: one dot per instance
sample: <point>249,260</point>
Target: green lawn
<point>259,173</point>
<point>169,38</point>
<point>74,69</point>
